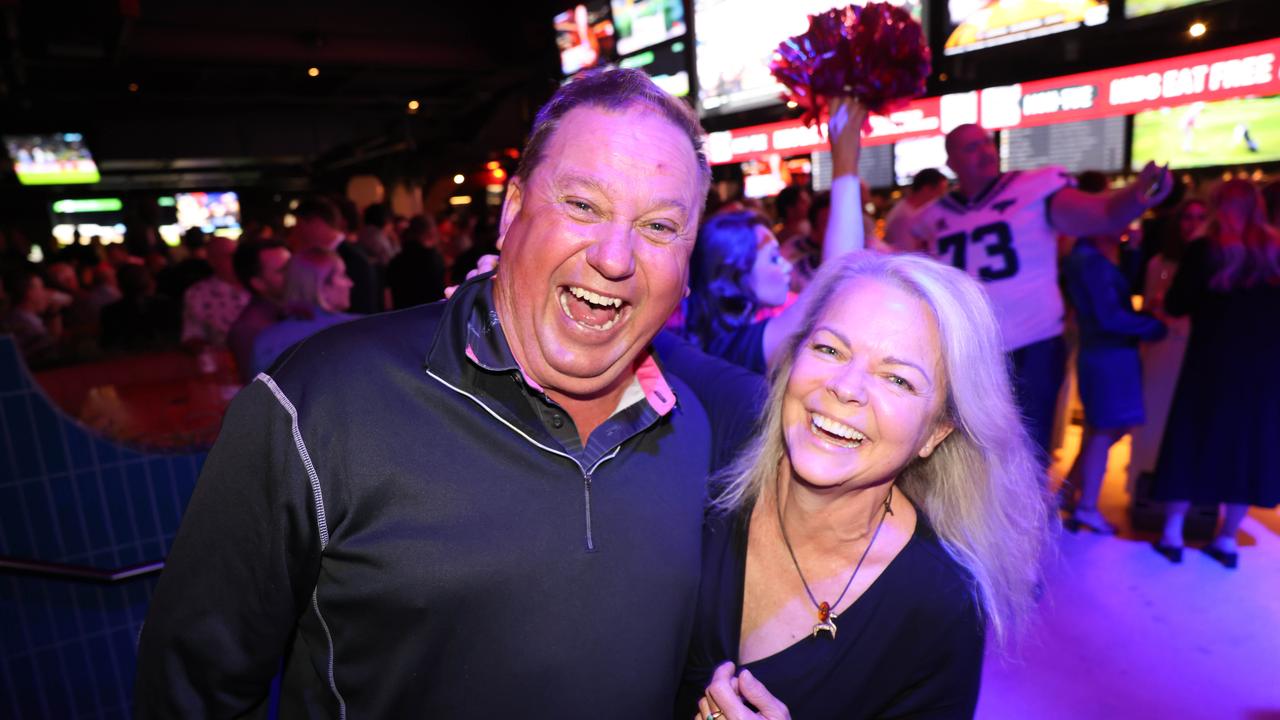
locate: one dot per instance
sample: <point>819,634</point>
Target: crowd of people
<point>90,301</point>
<point>820,490</point>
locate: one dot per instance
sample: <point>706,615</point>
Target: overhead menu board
<point>1076,146</point>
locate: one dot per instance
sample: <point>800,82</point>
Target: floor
<point>1126,634</point>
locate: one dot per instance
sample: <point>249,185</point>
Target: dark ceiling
<point>174,93</point>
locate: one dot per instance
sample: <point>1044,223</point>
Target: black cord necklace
<point>827,618</point>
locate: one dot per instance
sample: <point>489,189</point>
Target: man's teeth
<point>564,306</point>
<point>595,298</point>
<point>837,428</point>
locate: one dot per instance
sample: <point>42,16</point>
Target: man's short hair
<point>377,215</point>
<point>926,178</point>
<point>247,259</point>
<point>318,208</point>
<point>614,89</point>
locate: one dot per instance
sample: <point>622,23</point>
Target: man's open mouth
<point>591,309</point>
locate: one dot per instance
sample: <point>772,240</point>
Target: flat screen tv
<point>977,24</point>
<point>1076,146</point>
<point>1138,8</point>
<point>1243,131</point>
<point>51,159</point>
<point>643,23</point>
<point>585,37</point>
<point>215,213</point>
<point>875,167</point>
<point>734,40</point>
<point>667,64</point>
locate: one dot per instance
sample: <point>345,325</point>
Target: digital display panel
<point>1138,8</point>
<point>642,23</point>
<point>668,65</point>
<point>51,159</point>
<point>875,167</point>
<point>1076,146</point>
<point>585,37</point>
<point>1207,134</point>
<point>912,156</point>
<point>977,24</point>
<point>735,40</point>
<point>215,213</point>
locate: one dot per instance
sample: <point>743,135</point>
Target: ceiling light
<point>460,200</point>
<point>499,174</point>
<point>413,106</point>
<point>133,87</point>
<point>457,179</point>
<point>492,165</point>
<point>313,71</point>
<point>793,104</point>
<point>1197,29</point>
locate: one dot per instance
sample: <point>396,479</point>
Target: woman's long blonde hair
<point>1246,249</point>
<point>982,489</point>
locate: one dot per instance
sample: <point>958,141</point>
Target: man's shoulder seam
<point>300,445</point>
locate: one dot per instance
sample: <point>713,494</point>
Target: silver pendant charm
<point>827,625</point>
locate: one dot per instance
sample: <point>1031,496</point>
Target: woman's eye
<point>901,382</point>
<point>823,349</point>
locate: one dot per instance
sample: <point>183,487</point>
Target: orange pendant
<point>824,611</point>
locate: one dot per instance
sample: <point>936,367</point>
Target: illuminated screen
<point>641,23</point>
<point>1226,132</point>
<point>215,213</point>
<point>1138,8</point>
<point>735,40</point>
<point>666,64</point>
<point>585,37</point>
<point>54,159</point>
<point>875,167</point>
<point>976,24</point>
<point>912,156</point>
<point>1076,146</point>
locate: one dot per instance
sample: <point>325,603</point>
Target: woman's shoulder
<point>935,578</point>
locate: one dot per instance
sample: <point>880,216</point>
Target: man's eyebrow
<point>595,184</point>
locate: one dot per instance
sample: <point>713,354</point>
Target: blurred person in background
<point>1003,228</point>
<point>141,319</point>
<point>211,305</point>
<point>377,235</point>
<point>1220,444</point>
<point>1271,197</point>
<point>416,276</point>
<point>927,186</point>
<point>1108,367</point>
<point>29,318</point>
<point>260,266</point>
<point>1162,360</point>
<point>792,207</point>
<point>366,279</point>
<point>738,267</point>
<point>317,294</point>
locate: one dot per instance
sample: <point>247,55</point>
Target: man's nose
<point>613,252</point>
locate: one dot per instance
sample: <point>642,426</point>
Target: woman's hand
<point>844,132</point>
<point>726,693</point>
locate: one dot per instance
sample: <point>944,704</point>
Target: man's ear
<point>511,205</point>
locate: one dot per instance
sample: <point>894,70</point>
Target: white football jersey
<point>1003,238</point>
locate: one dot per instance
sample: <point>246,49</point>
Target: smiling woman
<point>839,596</point>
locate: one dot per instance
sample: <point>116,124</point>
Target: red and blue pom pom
<point>876,53</point>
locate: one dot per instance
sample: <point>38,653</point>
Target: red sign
<point>1214,75</point>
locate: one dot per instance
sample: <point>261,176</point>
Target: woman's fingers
<point>758,695</point>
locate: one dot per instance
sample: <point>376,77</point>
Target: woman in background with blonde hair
<point>889,513</point>
<point>1220,443</point>
<point>317,294</point>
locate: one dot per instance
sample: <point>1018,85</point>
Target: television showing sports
<point>1076,146</point>
<point>977,24</point>
<point>668,65</point>
<point>1138,8</point>
<point>585,37</point>
<point>215,213</point>
<point>912,156</point>
<point>642,23</point>
<point>1227,132</point>
<point>734,40</point>
<point>51,159</point>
